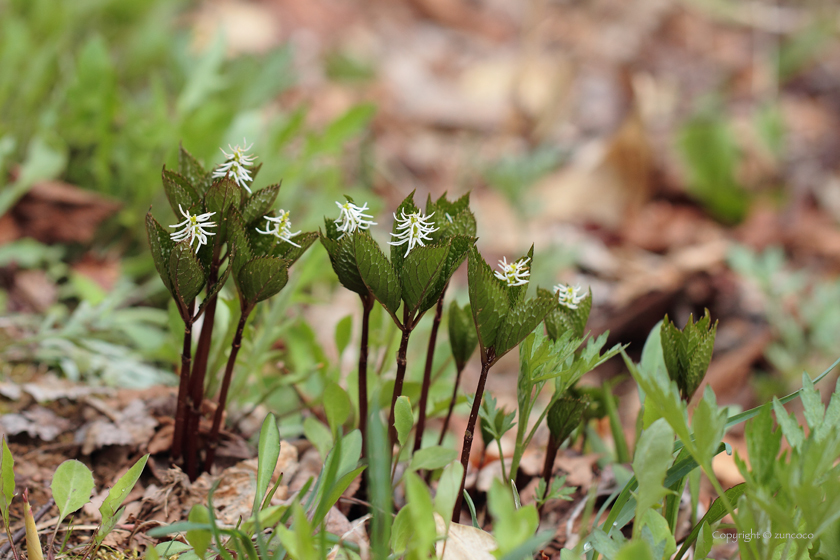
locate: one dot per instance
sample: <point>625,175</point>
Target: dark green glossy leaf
<point>180,193</point>
<point>186,273</point>
<point>377,273</point>
<point>161,246</point>
<point>561,318</point>
<point>261,278</point>
<point>259,204</point>
<point>520,321</point>
<point>488,298</point>
<point>193,171</point>
<point>420,274</point>
<point>342,255</point>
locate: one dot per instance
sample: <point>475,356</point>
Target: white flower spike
<point>352,217</point>
<point>280,227</point>
<point>415,229</point>
<point>235,165</point>
<point>193,225</point>
<point>515,273</point>
<point>569,296</point>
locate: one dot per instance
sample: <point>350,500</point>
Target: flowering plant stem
<point>198,374</point>
<point>551,450</point>
<point>213,439</point>
<point>406,328</point>
<point>487,360</point>
<point>427,372</point>
<point>183,389</point>
<point>367,306</point>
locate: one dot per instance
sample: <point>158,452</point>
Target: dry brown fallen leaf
<point>36,421</point>
<point>463,542</point>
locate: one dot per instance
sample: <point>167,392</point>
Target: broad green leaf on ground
<point>763,446</point>
<point>403,418</point>
<point>716,512</point>
<point>431,458</point>
<point>657,534</point>
<point>511,526</point>
<point>318,434</point>
<point>199,539</point>
<point>634,550</point>
<point>268,451</point>
<point>343,332</point>
<point>709,424</point>
<point>377,273</point>
<point>447,490</point>
<point>422,512</point>
<point>71,487</point>
<point>652,459</point>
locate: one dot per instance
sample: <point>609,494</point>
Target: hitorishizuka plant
<point>224,228</point>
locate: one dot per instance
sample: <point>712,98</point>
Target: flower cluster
<point>415,229</point>
<point>193,228</point>
<point>515,273</point>
<point>235,165</point>
<point>280,227</point>
<point>352,217</point>
<point>568,295</point>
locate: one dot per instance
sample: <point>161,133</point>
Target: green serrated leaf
<point>219,198</point>
<point>688,352</point>
<point>7,480</point>
<point>290,252</point>
<point>565,415</point>
<point>259,204</point>
<point>516,294</point>
<point>462,335</point>
<point>71,486</point>
<point>261,278</point>
<point>161,246</point>
<point>520,320</point>
<point>186,273</point>
<point>192,170</point>
<point>180,193</point>
<point>488,299</point>
<point>419,276</point>
<point>377,273</point>
<point>342,255</point>
<point>239,238</point>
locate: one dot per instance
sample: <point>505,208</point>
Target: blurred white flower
<point>415,229</point>
<point>515,273</point>
<point>193,228</point>
<point>352,217</point>
<point>235,165</point>
<point>280,227</point>
<point>569,296</point>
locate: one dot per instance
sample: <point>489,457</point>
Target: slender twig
<point>400,377</point>
<point>199,372</point>
<point>487,360</point>
<point>212,441</point>
<point>548,467</point>
<point>183,388</point>
<point>367,306</point>
<point>427,373</point>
